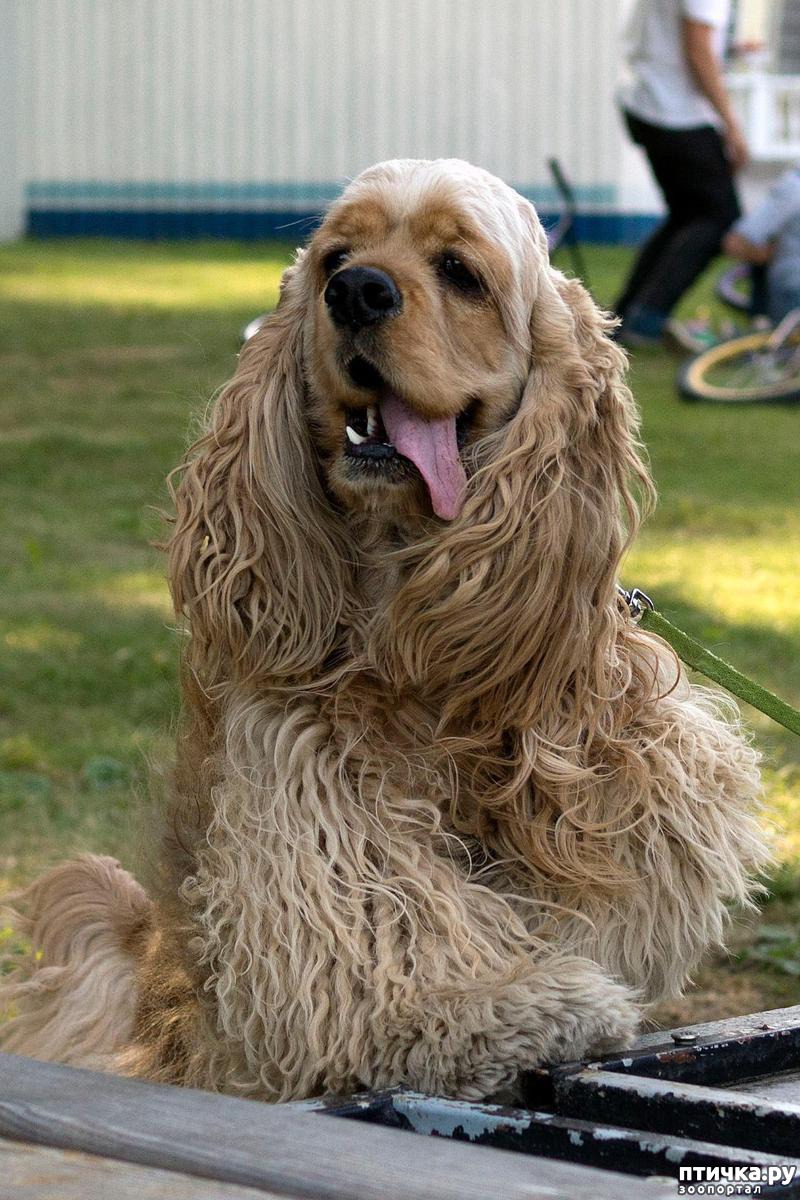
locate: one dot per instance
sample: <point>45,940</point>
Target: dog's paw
<point>612,1026</point>
<point>559,1009</point>
<point>595,1014</point>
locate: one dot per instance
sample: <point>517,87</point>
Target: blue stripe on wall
<point>249,225</point>
<point>170,224</point>
<point>89,193</point>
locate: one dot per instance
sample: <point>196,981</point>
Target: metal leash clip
<point>637,601</point>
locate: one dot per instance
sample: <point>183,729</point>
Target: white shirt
<point>663,91</point>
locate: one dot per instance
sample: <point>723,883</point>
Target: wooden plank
<point>783,1088</point>
<point>727,1053</point>
<point>31,1172</point>
<point>729,1059</point>
<point>274,1147</point>
<point>710,1114</point>
<point>570,1139</point>
<point>728,1027</point>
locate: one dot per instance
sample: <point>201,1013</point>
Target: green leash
<point>643,612</point>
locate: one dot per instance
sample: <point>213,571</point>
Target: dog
<point>441,811</point>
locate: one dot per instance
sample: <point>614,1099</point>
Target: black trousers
<point>696,181</point>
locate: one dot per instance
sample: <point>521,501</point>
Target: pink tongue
<point>432,447</point>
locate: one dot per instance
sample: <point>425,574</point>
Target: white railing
<point>769,109</point>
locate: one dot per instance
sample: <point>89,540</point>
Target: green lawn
<point>108,353</point>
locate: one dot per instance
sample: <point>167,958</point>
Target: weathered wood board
<point>278,1149</point>
<point>29,1172</point>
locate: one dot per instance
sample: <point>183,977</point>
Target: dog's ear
<point>255,558</point>
<point>577,398</point>
<point>516,607</point>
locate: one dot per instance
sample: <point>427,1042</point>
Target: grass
<point>108,351</point>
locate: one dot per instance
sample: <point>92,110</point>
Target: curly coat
<point>441,812</point>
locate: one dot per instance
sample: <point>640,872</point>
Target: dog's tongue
<point>433,448</point>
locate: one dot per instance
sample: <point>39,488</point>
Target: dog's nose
<point>359,296</point>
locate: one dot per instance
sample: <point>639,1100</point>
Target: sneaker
<point>631,339</point>
<point>641,327</point>
<point>691,337</point>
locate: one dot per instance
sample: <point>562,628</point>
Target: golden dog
<point>441,811</point>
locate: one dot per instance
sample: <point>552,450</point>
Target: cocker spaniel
<point>441,811</point>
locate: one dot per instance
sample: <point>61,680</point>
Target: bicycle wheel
<point>744,370</point>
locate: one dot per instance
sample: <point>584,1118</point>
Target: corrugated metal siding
<point>11,173</point>
<point>272,103</point>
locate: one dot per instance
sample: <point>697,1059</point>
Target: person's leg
<point>759,290</point>
<point>642,135</point>
<point>643,265</point>
<point>695,176</point>
<point>783,299</point>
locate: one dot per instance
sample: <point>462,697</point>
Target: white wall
<point>272,104</point>
<point>11,180</point>
<point>311,91</point>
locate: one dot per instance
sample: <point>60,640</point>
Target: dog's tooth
<point>354,437</point>
<point>372,420</point>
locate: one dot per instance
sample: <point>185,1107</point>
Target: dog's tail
<point>72,996</point>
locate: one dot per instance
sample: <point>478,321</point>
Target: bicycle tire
<point>694,383</point>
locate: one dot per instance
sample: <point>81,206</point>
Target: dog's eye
<point>334,259</point>
<point>459,274</point>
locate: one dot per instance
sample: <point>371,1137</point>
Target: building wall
<point>242,117</point>
<point>236,115</point>
<point>11,174</point>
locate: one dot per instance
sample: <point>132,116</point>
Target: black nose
<point>359,296</point>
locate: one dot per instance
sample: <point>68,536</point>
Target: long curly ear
<point>255,557</point>
<point>574,356</point>
<point>515,606</point>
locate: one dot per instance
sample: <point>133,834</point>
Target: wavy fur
<point>440,811</point>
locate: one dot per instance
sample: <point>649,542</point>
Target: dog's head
<point>427,367</point>
<point>420,287</point>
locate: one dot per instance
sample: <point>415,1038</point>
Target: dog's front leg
<point>465,1026</point>
<point>340,947</point>
<point>334,973</point>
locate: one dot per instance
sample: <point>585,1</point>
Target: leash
<point>643,612</point>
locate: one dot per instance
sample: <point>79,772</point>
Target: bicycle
<point>760,366</point>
